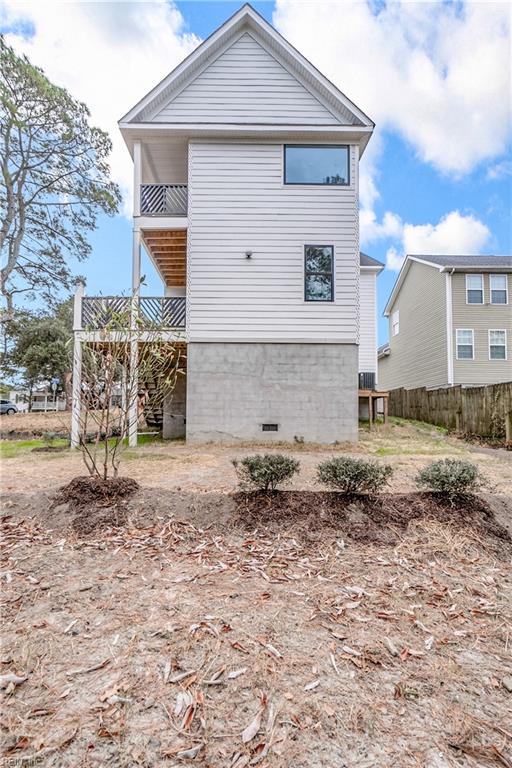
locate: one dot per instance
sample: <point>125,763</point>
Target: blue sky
<point>415,194</point>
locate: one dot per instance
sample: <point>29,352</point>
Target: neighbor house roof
<point>449,263</point>
<point>458,262</point>
<point>369,261</point>
<point>349,116</point>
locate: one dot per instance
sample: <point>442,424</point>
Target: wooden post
<point>370,406</point>
<point>385,406</point>
<point>77,391</point>
<point>508,427</point>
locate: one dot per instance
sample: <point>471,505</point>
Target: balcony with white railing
<point>145,313</point>
<point>163,199</point>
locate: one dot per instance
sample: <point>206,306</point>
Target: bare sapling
<point>122,373</point>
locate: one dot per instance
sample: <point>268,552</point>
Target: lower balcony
<point>146,313</point>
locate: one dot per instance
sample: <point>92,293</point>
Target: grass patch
<point>423,426</point>
<point>9,449</point>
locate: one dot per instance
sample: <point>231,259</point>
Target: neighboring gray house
<point>246,179</point>
<point>450,322</point>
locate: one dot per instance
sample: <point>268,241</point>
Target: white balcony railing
<point>163,199</point>
<point>115,312</point>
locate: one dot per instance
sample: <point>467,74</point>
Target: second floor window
<point>316,164</point>
<point>465,344</point>
<point>474,289</point>
<point>319,273</point>
<point>497,345</point>
<point>498,285</point>
<point>395,323</point>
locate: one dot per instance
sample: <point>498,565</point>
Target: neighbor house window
<point>316,164</point>
<point>319,273</point>
<point>474,289</point>
<point>465,344</point>
<point>497,345</point>
<point>395,323</point>
<point>499,293</point>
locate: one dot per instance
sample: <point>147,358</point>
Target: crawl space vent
<point>269,427</point>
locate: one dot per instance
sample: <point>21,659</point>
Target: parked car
<point>8,407</point>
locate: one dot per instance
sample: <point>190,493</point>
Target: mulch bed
<point>365,518</point>
<point>96,502</point>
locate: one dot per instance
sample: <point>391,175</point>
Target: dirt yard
<point>200,627</point>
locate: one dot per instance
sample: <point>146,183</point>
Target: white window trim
<point>473,303</point>
<point>397,323</point>
<point>495,303</point>
<point>497,359</point>
<point>457,344</point>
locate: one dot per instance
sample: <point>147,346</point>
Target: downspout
<point>449,327</point>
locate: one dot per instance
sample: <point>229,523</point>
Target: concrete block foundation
<point>308,391</point>
<point>175,410</point>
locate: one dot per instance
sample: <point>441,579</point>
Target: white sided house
<point>246,173</point>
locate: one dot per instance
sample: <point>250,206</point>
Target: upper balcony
<point>163,199</point>
<point>147,318</point>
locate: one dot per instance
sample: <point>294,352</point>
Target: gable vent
<point>269,427</point>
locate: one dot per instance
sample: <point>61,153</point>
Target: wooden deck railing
<point>163,199</point>
<point>115,312</point>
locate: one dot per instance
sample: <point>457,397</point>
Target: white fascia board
<point>350,134</point>
<point>371,269</point>
<point>160,222</point>
<point>246,19</point>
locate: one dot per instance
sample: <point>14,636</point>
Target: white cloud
<point>371,230</point>
<point>437,73</point>
<point>500,170</point>
<point>106,54</point>
<point>453,234</point>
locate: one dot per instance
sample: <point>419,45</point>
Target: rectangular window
<point>465,344</point>
<point>319,273</point>
<point>316,164</point>
<point>474,289</point>
<point>497,345</point>
<point>395,323</point>
<point>499,292</point>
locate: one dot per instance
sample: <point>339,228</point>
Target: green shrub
<point>265,472</point>
<point>350,475</point>
<point>452,477</point>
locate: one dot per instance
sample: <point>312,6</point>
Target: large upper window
<point>316,164</point>
<point>497,345</point>
<point>465,344</point>
<point>498,284</point>
<point>319,273</point>
<point>475,289</point>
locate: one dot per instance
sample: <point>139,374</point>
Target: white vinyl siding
<point>465,341</point>
<point>368,322</point>
<point>238,202</point>
<point>497,344</point>
<point>474,289</point>
<point>246,84</point>
<point>498,289</point>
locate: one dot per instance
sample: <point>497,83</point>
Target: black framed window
<point>319,273</point>
<point>316,164</point>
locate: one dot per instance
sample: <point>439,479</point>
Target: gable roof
<point>369,261</point>
<point>248,20</point>
<point>458,262</point>
<point>448,263</point>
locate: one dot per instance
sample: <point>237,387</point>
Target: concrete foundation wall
<point>175,410</point>
<point>309,390</point>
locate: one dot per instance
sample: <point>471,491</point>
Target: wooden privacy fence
<point>485,411</point>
